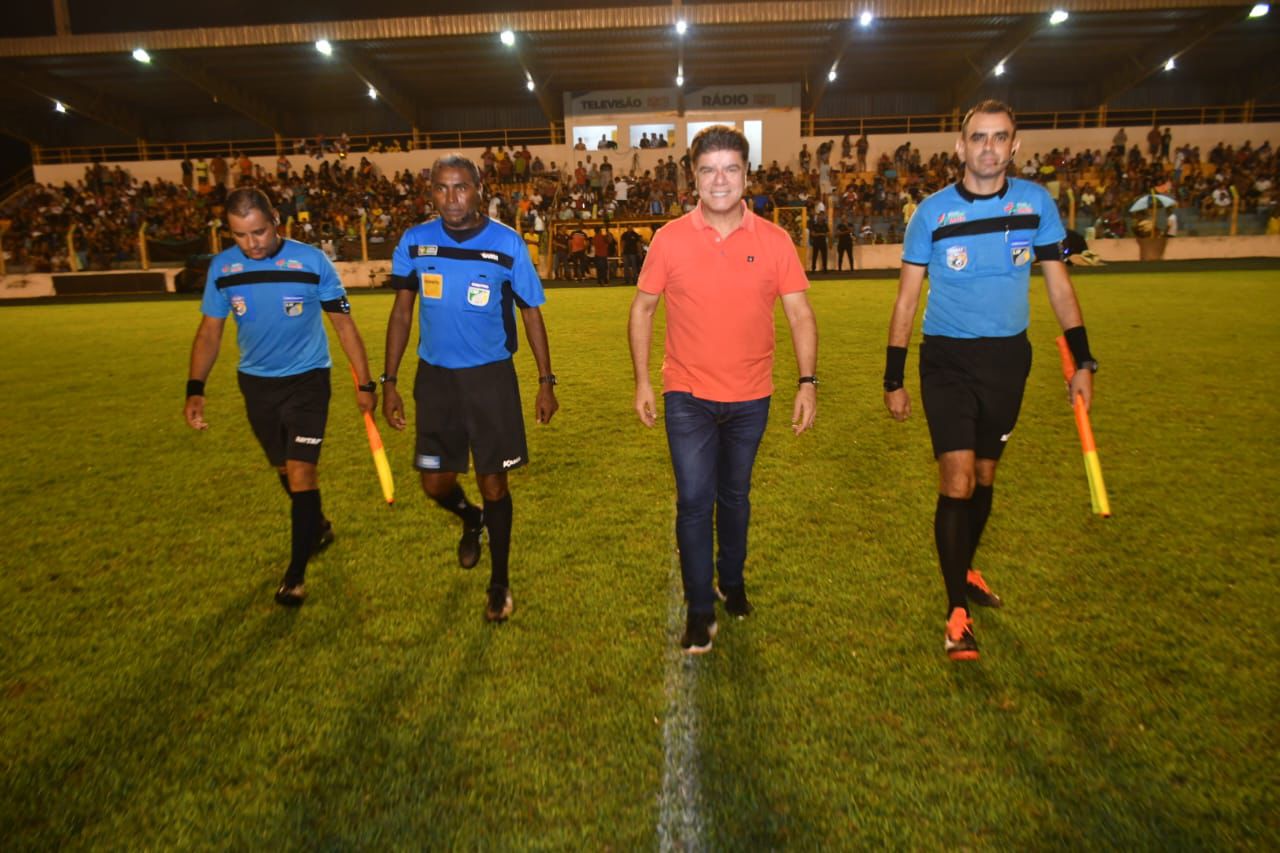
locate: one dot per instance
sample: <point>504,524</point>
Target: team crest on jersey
<point>1021,252</point>
<point>428,251</point>
<point>239,306</point>
<point>230,268</point>
<point>957,257</point>
<point>478,294</point>
<point>293,306</point>
<point>289,263</point>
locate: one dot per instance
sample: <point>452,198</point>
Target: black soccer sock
<point>306,528</point>
<point>456,502</point>
<point>497,517</point>
<point>951,534</point>
<point>979,512</point>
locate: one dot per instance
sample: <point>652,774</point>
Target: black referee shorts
<point>474,409</point>
<point>972,391</point>
<point>288,414</point>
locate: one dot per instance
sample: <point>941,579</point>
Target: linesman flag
<point>379,453</point>
<point>1092,467</point>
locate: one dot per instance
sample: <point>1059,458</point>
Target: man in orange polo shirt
<point>721,268</point>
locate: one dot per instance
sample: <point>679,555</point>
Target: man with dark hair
<point>977,239</point>
<point>277,288</point>
<point>468,274</point>
<point>721,269</point>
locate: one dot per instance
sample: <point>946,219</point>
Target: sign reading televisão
<point>618,101</point>
<point>614,101</point>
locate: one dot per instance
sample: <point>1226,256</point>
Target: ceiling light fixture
<point>324,47</point>
<point>508,38</point>
<point>1058,16</point>
<point>140,54</point>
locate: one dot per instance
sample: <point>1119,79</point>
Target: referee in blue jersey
<point>468,275</point>
<point>977,240</point>
<point>277,288</point>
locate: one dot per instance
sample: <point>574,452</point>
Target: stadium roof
<point>240,70</point>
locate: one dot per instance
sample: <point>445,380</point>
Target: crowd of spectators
<point>332,195</point>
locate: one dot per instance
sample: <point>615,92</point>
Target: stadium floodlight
<point>1170,64</point>
<point>324,47</point>
<point>373,93</point>
<point>682,27</point>
<point>679,79</point>
<point>999,68</point>
<point>1259,9</point>
<point>59,107</point>
<point>865,19</point>
<point>1058,16</point>
<point>528,84</point>
<point>140,54</point>
<point>508,37</point>
<point>831,76</point>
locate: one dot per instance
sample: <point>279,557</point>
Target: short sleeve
<point>330,282</point>
<point>1050,232</point>
<point>401,265</point>
<point>653,275</point>
<point>524,278</point>
<point>791,277</point>
<point>917,243</point>
<point>214,304</point>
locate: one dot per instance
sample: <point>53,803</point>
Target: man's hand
<point>645,406</point>
<point>367,400</point>
<point>1082,384</point>
<point>546,404</point>
<point>392,406</point>
<point>193,411</point>
<point>806,408</point>
<point>898,403</point>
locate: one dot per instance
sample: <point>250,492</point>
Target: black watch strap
<point>369,387</point>
<point>809,380</point>
<point>387,377</point>
<point>549,379</point>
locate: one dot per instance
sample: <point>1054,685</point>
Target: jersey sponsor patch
<point>432,285</point>
<point>957,257</point>
<point>951,217</point>
<point>290,263</point>
<point>293,306</point>
<point>478,294</point>
<point>1020,250</point>
<point>426,251</point>
<point>239,306</point>
<point>230,268</point>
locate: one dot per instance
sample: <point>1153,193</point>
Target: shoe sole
<point>501,616</point>
<point>702,650</point>
<point>965,654</point>
<point>983,599</point>
<point>290,599</point>
<point>471,564</point>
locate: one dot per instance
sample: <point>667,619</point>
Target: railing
<point>15,184</point>
<point>297,146</point>
<point>1095,117</point>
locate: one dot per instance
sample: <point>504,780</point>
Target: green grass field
<point>153,696</point>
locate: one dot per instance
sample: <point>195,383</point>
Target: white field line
<point>680,810</point>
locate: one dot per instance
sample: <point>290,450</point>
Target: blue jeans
<point>713,446</point>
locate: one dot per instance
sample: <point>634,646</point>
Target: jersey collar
<point>972,196</point>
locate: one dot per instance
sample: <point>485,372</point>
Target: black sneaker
<point>469,545</point>
<point>698,632</point>
<point>735,601</point>
<point>499,605</point>
<point>291,594</point>
<point>325,539</point>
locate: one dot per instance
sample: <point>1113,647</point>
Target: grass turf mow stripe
<point>680,810</point>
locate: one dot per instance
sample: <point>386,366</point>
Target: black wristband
<point>1078,343</point>
<point>195,388</point>
<point>895,367</point>
<point>369,387</point>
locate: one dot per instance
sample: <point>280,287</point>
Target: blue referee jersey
<point>277,305</point>
<point>467,292</point>
<point>978,250</point>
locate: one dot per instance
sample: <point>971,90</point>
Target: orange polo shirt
<point>720,294</point>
